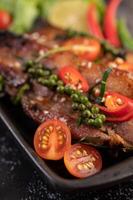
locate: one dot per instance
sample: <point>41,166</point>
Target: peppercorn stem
<point>103,85</point>
<point>51,52</point>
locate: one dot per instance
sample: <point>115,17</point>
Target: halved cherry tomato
<point>82,160</point>
<point>86,48</point>
<point>5,19</point>
<point>72,76</point>
<point>51,140</point>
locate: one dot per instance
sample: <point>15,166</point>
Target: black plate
<point>23,129</point>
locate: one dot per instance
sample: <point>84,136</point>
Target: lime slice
<point>69,14</point>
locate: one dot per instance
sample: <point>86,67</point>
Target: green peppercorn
<point>52,82</point>
<point>31,70</point>
<point>59,82</point>
<point>39,65</point>
<point>78,92</point>
<point>43,81</point>
<point>82,107</point>
<point>89,104</point>
<point>75,106</point>
<point>47,72</point>
<point>68,90</point>
<point>90,122</point>
<point>40,72</point>
<point>60,89</point>
<point>54,77</point>
<point>102,117</point>
<point>83,99</point>
<point>95,110</point>
<point>75,97</point>
<point>98,122</point>
<point>86,113</point>
<point>28,64</point>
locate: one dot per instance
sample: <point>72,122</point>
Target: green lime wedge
<point>69,14</point>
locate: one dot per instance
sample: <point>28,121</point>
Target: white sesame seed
<point>63,99</point>
<point>89,65</point>
<point>46,112</point>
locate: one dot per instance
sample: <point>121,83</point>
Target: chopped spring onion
<point>21,92</point>
<point>103,85</point>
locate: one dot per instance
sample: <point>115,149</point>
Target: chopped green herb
<point>21,92</point>
<point>103,85</point>
<point>79,121</point>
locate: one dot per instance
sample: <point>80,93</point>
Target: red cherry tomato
<point>51,140</point>
<point>72,76</point>
<point>89,49</point>
<point>82,160</point>
<point>5,19</point>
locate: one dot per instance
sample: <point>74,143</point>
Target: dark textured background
<point>19,180</point>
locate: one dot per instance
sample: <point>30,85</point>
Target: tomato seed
<point>51,128</point>
<point>45,138</point>
<point>90,165</point>
<point>119,101</point>
<point>58,128</point>
<point>61,137</point>
<point>44,146</point>
<point>80,166</point>
<point>78,152</point>
<point>85,166</point>
<point>85,153</point>
<point>61,142</point>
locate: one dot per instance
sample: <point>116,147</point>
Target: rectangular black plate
<point>23,130</point>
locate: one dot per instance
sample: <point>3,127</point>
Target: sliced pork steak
<point>41,103</point>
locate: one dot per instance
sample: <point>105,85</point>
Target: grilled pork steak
<point>41,103</point>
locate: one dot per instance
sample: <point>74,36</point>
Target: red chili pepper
<point>120,119</point>
<point>117,107</point>
<point>110,26</point>
<point>92,21</point>
<point>72,76</point>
